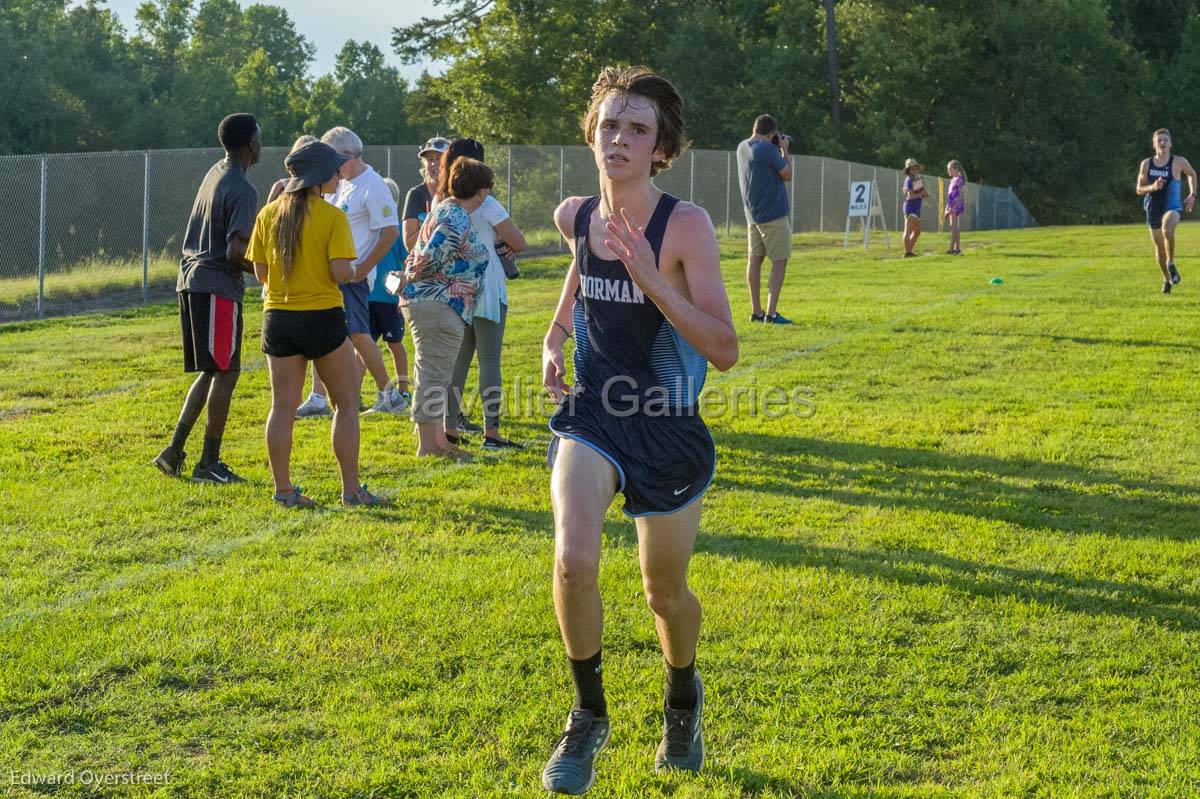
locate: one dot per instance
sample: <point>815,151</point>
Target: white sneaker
<point>312,408</point>
<point>389,402</point>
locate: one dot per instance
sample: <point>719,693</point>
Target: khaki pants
<point>771,239</point>
<point>437,334</point>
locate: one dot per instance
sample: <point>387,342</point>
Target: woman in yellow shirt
<point>302,249</point>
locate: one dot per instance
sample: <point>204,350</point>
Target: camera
<point>779,138</point>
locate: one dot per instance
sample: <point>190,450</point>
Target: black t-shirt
<point>417,203</point>
<point>225,206</point>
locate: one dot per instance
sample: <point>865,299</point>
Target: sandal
<point>362,497</point>
<point>293,499</point>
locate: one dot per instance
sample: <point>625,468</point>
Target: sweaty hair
<point>237,131</point>
<point>459,148</point>
<point>641,82</point>
<point>1159,132</point>
<point>468,177</point>
<point>764,124</point>
<point>956,164</point>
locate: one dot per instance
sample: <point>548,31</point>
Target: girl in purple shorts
<point>956,203</point>
<point>914,192</point>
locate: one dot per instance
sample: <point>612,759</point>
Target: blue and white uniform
<point>637,382</point>
<point>1158,203</point>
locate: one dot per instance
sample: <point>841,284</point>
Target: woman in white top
<point>485,334</point>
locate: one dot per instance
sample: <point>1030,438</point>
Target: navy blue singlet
<point>625,349</point>
<point>1165,199</point>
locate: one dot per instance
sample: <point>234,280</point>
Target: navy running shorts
<point>358,315</point>
<point>664,463</point>
<point>386,321</point>
<point>1154,216</point>
<point>212,332</point>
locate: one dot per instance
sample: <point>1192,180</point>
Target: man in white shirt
<point>375,226</point>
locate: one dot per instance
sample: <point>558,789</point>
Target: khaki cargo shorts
<point>772,240</point>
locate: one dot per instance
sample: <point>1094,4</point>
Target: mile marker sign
<point>865,205</point>
<point>860,198</point>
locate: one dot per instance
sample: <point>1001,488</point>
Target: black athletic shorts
<point>313,334</point>
<point>664,463</point>
<point>386,321</point>
<point>212,332</point>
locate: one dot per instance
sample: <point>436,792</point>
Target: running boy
<point>1159,183</point>
<point>645,302</point>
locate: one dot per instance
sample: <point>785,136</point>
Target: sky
<point>329,23</point>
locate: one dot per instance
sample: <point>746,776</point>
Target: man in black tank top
<point>646,305</point>
<point>1159,183</point>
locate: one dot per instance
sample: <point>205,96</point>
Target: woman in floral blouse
<point>442,279</point>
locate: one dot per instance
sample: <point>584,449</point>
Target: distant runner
<point>1159,183</point>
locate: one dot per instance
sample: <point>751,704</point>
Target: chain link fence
<point>103,230</point>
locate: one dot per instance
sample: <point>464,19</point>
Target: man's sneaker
<point>310,409</point>
<point>467,426</point>
<point>215,472</point>
<point>758,317</point>
<point>571,768</point>
<point>777,319</point>
<point>170,462</point>
<point>500,443</point>
<point>910,255</point>
<point>1166,287</point>
<point>682,746</point>
<point>1175,278</point>
<point>401,403</point>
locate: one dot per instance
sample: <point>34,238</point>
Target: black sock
<point>212,451</point>
<point>681,686</point>
<point>589,685</point>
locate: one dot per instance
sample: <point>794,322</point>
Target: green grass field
<point>971,572</point>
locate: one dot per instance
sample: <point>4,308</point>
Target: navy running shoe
<point>571,768</point>
<point>777,319</point>
<point>1175,278</point>
<point>682,745</point>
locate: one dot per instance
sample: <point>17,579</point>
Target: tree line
<point>1056,98</point>
<point>77,80</point>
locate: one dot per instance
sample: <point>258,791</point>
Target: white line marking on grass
<point>214,552</point>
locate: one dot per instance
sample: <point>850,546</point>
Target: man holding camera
<point>763,173</point>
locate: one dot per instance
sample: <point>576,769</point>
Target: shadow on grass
<point>919,568</point>
<point>1058,339</point>
<point>1059,497</point>
<point>1029,493</point>
<point>755,783</point>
